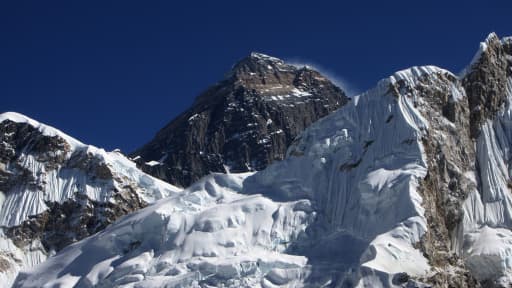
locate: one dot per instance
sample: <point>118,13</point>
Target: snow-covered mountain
<point>407,185</point>
<point>55,190</point>
<point>242,123</point>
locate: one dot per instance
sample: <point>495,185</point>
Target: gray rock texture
<point>486,81</point>
<point>76,218</point>
<point>243,123</point>
<point>451,150</point>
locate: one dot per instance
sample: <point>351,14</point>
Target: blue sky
<point>111,73</point>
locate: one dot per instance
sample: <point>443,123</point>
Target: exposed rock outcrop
<point>486,81</point>
<point>77,217</point>
<point>450,153</point>
<point>242,123</point>
<point>55,190</point>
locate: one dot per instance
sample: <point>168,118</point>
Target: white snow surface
<point>343,206</point>
<point>211,232</point>
<point>61,184</point>
<point>362,170</point>
<point>45,129</point>
<point>487,242</point>
<point>354,173</point>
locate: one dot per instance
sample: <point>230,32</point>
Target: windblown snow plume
<point>338,80</point>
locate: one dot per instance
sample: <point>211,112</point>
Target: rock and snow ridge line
<point>368,171</point>
<point>334,141</point>
<point>243,123</point>
<point>55,190</point>
<point>329,145</point>
<point>44,129</point>
<point>113,159</point>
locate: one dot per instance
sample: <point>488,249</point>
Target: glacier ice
<point>210,233</point>
<point>344,209</point>
<point>354,174</point>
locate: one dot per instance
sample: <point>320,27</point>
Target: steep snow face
<point>210,235</point>
<point>55,190</point>
<point>365,157</point>
<point>360,167</point>
<point>355,203</point>
<point>488,212</point>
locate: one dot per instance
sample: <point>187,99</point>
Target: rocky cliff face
<point>243,123</point>
<point>55,190</point>
<point>486,81</point>
<point>460,139</point>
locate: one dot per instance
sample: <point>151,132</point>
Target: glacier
<point>407,185</point>
<point>343,180</point>
<point>209,233</point>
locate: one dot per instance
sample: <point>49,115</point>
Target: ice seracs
<point>339,187</point>
<point>211,234</point>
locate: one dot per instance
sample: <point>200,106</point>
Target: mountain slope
<point>408,185</point>
<point>488,211</point>
<point>242,123</point>
<point>210,234</point>
<point>55,190</point>
<point>333,201</point>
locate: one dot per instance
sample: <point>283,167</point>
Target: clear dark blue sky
<point>111,73</point>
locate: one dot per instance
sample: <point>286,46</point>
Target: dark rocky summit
<point>486,82</point>
<point>243,123</point>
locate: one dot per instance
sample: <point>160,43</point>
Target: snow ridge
<point>488,212</point>
<point>44,129</point>
<point>352,167</point>
<point>72,172</point>
<point>344,208</point>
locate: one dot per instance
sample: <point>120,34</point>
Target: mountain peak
<point>44,129</point>
<point>407,184</point>
<point>492,37</point>
<point>17,117</point>
<point>491,43</point>
<point>264,57</point>
<point>258,64</point>
<point>486,79</point>
<point>244,122</point>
